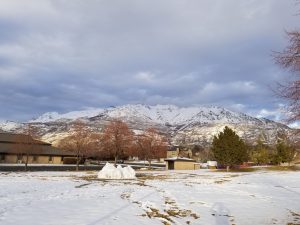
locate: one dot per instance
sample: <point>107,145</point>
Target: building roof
<point>19,138</point>
<point>24,144</point>
<point>180,159</point>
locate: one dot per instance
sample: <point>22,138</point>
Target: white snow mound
<point>109,171</point>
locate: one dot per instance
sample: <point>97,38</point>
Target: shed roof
<point>178,159</point>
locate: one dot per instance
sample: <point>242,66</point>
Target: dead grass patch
<point>88,178</point>
<point>221,181</point>
<point>296,218</point>
<point>238,170</point>
<point>175,211</point>
<point>281,168</point>
<point>152,177</point>
<point>156,213</point>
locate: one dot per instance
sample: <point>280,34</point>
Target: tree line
<point>116,141</point>
<point>230,150</point>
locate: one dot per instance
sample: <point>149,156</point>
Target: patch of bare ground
<point>221,181</point>
<point>168,215</point>
<point>142,178</point>
<point>173,210</point>
<point>156,213</point>
<point>238,170</point>
<point>125,195</point>
<point>145,176</point>
<point>152,212</point>
<point>295,217</point>
<point>87,178</point>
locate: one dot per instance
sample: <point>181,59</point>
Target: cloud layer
<point>61,56</point>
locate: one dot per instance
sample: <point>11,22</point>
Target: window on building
<point>20,157</point>
<point>50,158</point>
<point>35,158</point>
<point>62,158</point>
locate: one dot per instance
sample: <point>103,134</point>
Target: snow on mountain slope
<point>162,114</point>
<point>54,116</point>
<point>197,124</point>
<point>8,126</point>
<point>175,115</point>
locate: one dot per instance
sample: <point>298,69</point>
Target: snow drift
<point>109,171</point>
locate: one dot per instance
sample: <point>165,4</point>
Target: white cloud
<point>295,125</point>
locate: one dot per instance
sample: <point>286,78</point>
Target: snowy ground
<point>183,197</point>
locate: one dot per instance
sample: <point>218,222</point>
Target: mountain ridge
<point>195,124</point>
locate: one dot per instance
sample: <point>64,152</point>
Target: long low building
<point>19,148</point>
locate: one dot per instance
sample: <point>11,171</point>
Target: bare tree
<point>27,143</point>
<point>151,145</point>
<point>81,142</point>
<point>289,58</point>
<point>117,139</point>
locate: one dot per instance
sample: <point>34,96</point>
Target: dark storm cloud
<point>62,56</point>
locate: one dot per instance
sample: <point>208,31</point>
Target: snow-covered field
<point>181,197</point>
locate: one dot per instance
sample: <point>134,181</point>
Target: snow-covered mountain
<point>54,116</point>
<point>161,114</point>
<point>194,125</point>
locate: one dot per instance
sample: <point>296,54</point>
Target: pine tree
<point>260,154</point>
<point>228,149</point>
<point>284,152</point>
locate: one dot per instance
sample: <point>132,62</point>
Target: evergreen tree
<point>284,152</point>
<point>228,149</point>
<point>260,154</point>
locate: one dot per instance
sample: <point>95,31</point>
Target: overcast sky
<point>58,55</point>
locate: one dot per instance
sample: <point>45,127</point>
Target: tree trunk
<point>116,158</point>
<point>227,168</point>
<point>149,162</point>
<point>84,162</point>
<point>26,162</point>
<point>77,163</point>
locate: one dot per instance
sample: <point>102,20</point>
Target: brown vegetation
<point>82,141</point>
<point>151,145</point>
<point>117,139</point>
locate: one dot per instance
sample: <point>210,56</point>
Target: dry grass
<point>282,168</point>
<point>221,181</point>
<point>296,218</point>
<point>268,168</point>
<point>235,170</point>
<point>156,213</point>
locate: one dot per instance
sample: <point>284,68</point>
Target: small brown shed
<point>178,163</point>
